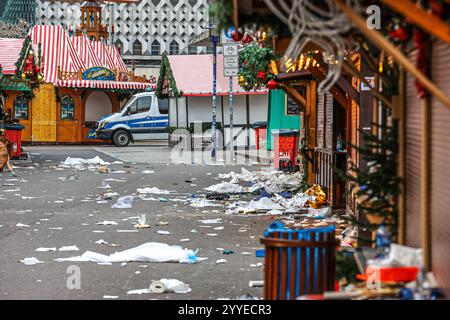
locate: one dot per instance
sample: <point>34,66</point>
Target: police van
<point>142,118</point>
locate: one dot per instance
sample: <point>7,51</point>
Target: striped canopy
<point>75,54</point>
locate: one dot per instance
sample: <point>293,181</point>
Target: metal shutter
<point>439,161</point>
<point>329,121</point>
<point>412,161</point>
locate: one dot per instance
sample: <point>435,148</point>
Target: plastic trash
<point>256,283</point>
<point>321,213</point>
<point>45,249</point>
<point>211,221</point>
<point>220,261</point>
<point>147,252</point>
<point>169,285</point>
<point>260,253</point>
<point>79,161</point>
<point>125,202</point>
<point>69,248</point>
<point>163,232</point>
<point>225,187</point>
<point>217,196</point>
<point>107,223</point>
<point>152,190</point>
<point>163,199</point>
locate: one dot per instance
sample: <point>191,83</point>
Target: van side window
<point>163,105</point>
<point>142,104</point>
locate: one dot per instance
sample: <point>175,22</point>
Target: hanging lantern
<point>272,84</point>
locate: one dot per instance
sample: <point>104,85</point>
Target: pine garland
<point>165,72</point>
<point>255,71</point>
<point>22,57</point>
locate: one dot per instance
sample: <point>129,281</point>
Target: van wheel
<point>121,138</point>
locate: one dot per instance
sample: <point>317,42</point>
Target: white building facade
<point>143,30</point>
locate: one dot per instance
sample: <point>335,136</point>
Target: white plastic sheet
<point>125,202</point>
<point>152,190</point>
<point>225,187</point>
<point>80,161</point>
<point>147,252</point>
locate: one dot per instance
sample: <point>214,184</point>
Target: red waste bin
<point>260,131</point>
<point>14,134</point>
<point>286,149</point>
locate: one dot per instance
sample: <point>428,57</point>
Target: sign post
<point>230,69</point>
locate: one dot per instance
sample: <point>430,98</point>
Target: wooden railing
<point>325,162</point>
<point>125,76</point>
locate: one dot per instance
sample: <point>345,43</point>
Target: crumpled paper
<point>320,196</point>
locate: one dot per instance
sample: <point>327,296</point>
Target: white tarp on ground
<point>147,252</point>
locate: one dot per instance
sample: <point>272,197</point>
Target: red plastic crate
<point>400,274</point>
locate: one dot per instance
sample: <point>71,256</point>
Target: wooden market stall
<point>82,80</point>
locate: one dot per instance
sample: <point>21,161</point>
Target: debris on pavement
<point>256,283</point>
<point>31,261</point>
<point>152,190</point>
<point>220,261</point>
<point>42,249</point>
<point>147,252</point>
<point>168,286</point>
<point>163,232</point>
<point>142,219</point>
<point>69,248</point>
<point>225,187</point>
<point>125,202</point>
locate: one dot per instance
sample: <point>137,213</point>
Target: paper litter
<point>31,261</point>
<point>147,252</point>
<point>163,232</point>
<point>69,248</point>
<point>152,190</point>
<point>107,223</point>
<point>211,221</point>
<point>42,249</point>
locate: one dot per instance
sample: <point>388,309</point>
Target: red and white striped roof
<point>84,50</point>
<point>117,59</point>
<point>9,54</point>
<point>73,55</point>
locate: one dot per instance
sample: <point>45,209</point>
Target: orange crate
<point>400,274</point>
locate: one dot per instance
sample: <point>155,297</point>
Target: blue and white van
<point>140,119</point>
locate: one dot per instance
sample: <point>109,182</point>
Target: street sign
<point>227,35</point>
<point>230,72</point>
<point>230,50</point>
<point>231,62</point>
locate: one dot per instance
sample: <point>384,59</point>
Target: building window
<point>192,50</point>
<point>174,47</point>
<point>21,107</point>
<point>137,48</point>
<point>67,108</point>
<point>155,48</point>
<point>209,50</point>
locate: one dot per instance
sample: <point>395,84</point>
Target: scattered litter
<point>219,228</point>
<point>246,253</point>
<point>152,190</point>
<point>110,297</point>
<point>72,162</point>
<point>56,228</point>
<point>147,252</point>
<point>98,231</point>
<point>107,223</point>
<point>21,225</point>
<point>194,231</point>
<point>321,213</point>
<point>200,203</point>
<point>212,234</point>
<point>42,249</point>
<point>225,187</point>
<point>169,285</point>
<point>163,232</point>
<point>142,222</point>
<point>101,241</point>
<point>126,231</point>
<point>221,261</point>
<point>217,196</point>
<point>69,248</point>
<point>211,221</point>
<point>137,272</point>
<point>163,223</point>
<point>185,240</point>
<point>163,199</point>
<point>148,171</point>
<point>104,186</point>
<point>227,252</point>
<point>125,202</point>
<point>103,169</point>
<point>117,162</point>
<point>31,261</point>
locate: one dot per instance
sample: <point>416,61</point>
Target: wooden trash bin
<point>298,262</point>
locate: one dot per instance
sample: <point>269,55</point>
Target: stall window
<point>67,108</point>
<point>21,107</point>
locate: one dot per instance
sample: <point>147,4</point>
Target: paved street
<point>60,208</point>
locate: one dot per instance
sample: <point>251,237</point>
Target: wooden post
<point>379,40</point>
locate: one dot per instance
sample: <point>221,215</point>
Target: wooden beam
<point>337,94</point>
<point>432,24</point>
<point>351,68</point>
<point>379,40</point>
<point>294,95</point>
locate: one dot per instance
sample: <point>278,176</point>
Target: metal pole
<point>231,120</point>
<point>214,40</point>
